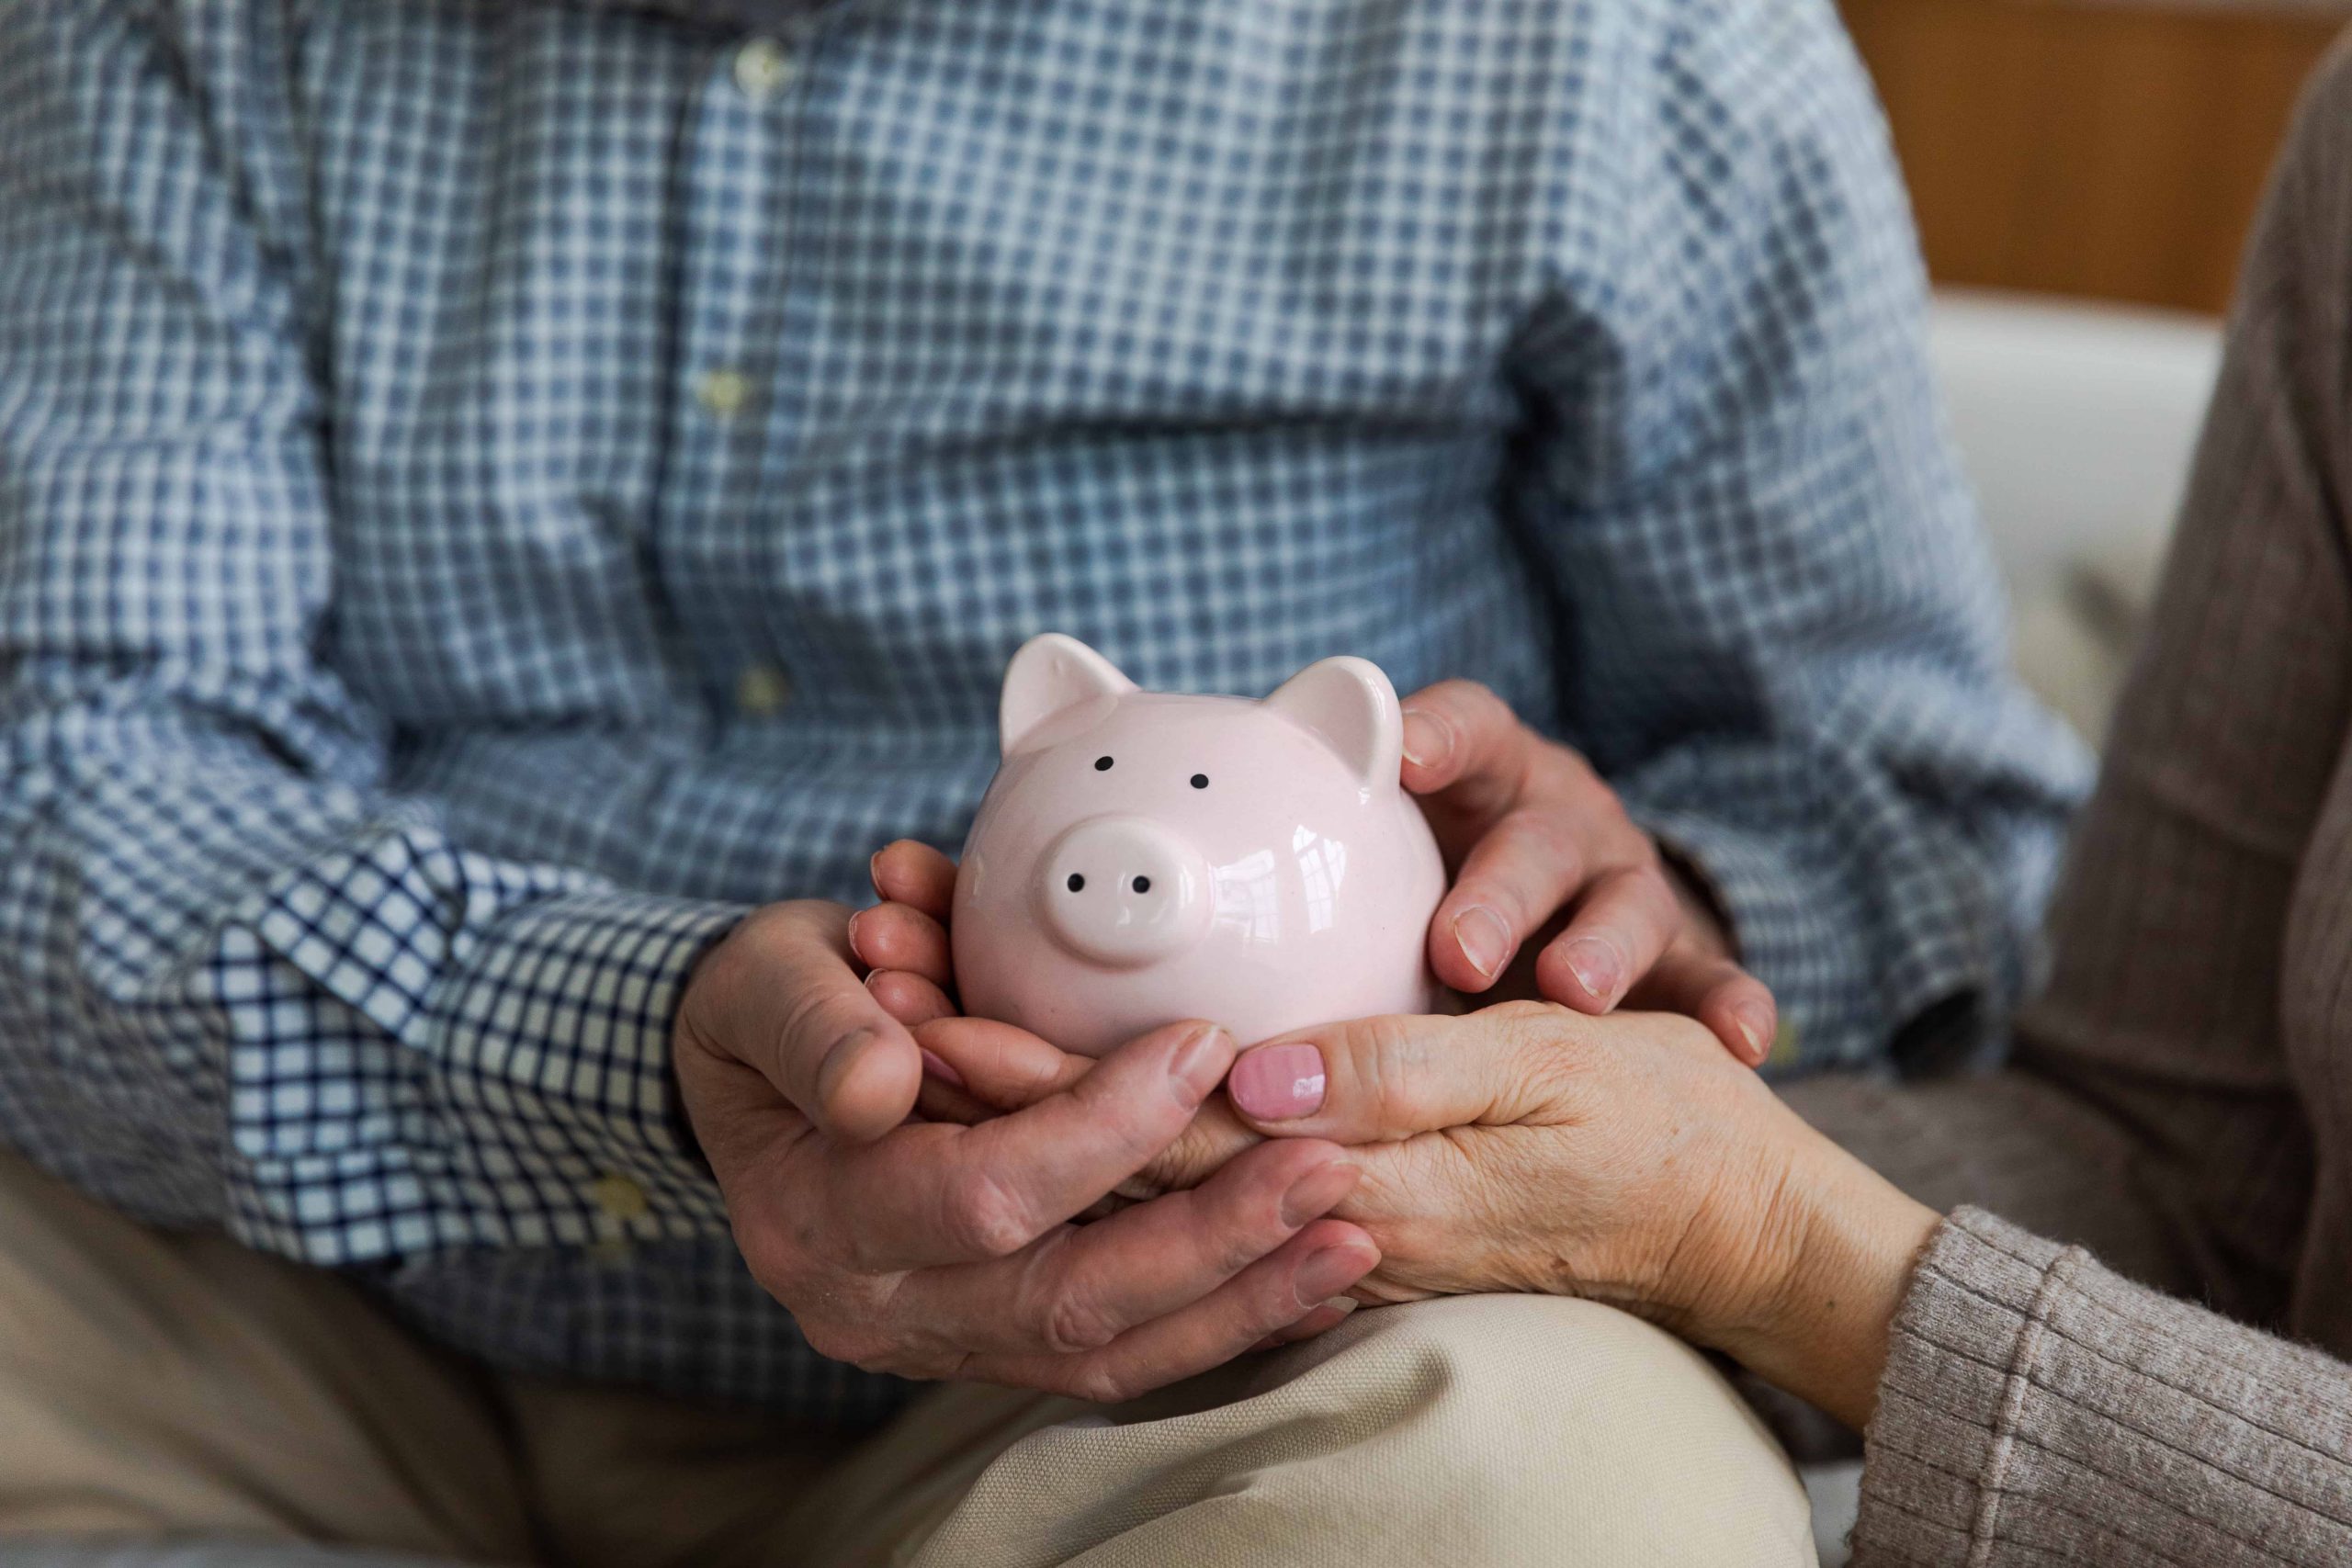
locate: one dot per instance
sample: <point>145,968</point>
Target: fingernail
<point>1329,1271</point>
<point>838,1060</point>
<point>1343,1305</point>
<point>1313,1195</point>
<point>1278,1083</point>
<point>873,871</point>
<point>1595,964</point>
<point>852,930</point>
<point>1484,939</point>
<point>1199,1063</point>
<point>1755,1022</point>
<point>938,1067</point>
<point>1428,741</point>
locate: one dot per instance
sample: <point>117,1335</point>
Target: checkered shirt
<point>488,492</point>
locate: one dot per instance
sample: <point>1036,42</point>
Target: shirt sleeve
<point>242,980</point>
<point>2038,1409</point>
<point>1783,639</point>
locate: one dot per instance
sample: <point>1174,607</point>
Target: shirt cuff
<point>554,1040</point>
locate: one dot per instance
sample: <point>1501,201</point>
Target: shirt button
<point>619,1197</point>
<point>762,690</point>
<point>762,69</point>
<point>723,392</point>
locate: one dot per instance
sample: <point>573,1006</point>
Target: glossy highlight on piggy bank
<point>1147,856</point>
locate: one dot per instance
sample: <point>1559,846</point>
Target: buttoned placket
<point>730,418</point>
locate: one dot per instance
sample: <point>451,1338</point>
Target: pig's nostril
<point>1076,882</point>
<point>1142,883</point>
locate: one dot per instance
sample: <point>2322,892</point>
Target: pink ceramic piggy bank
<point>1143,857</point>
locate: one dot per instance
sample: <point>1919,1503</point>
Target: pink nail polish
<point>1278,1083</point>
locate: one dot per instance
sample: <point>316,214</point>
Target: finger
<point>935,1194</point>
<point>1215,1136</point>
<point>941,1102</point>
<point>1084,1286</point>
<point>910,998</point>
<point>1464,742</point>
<point>1000,1065</point>
<point>1518,874</point>
<point>790,1005</point>
<point>915,875</point>
<point>1737,1007</point>
<point>1005,1068</point>
<point>1322,1320</point>
<point>900,936</point>
<point>1320,1262</point>
<point>1624,922</point>
<point>1380,1080</point>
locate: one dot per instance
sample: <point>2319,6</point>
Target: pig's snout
<point>1126,891</point>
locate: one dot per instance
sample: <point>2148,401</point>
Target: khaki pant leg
<point>1488,1430</point>
<point>156,1383</point>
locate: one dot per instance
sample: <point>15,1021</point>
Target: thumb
<point>780,996</point>
<point>1383,1079</point>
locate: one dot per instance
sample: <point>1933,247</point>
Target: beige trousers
<point>166,1388</point>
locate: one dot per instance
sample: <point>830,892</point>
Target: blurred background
<point>2106,149</point>
<point>2085,173</point>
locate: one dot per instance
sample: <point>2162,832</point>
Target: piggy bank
<point>1143,857</point>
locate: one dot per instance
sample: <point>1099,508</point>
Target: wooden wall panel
<point>2079,147</point>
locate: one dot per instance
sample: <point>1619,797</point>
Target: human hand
<point>1525,1149</point>
<point>933,1249</point>
<point>1539,839</point>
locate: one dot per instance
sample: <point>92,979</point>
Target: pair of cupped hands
<point>940,1196</point>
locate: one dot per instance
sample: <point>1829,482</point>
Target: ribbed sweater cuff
<point>2038,1409</point>
<point>1965,1338</point>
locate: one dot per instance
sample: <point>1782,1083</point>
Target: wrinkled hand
<point>933,1249</point>
<point>1540,842</point>
<point>1526,1148</point>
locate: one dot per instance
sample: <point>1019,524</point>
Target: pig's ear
<point>1352,706</point>
<point>1050,675</point>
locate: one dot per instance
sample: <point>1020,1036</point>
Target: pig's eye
<point>1142,883</point>
<point>1200,781</point>
<point>1102,765</point>
<point>1076,882</point>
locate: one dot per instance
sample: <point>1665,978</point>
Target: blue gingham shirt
<point>490,490</point>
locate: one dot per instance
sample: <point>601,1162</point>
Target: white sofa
<point>2076,423</point>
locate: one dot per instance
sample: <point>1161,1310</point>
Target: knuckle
<point>986,1219</point>
<point>1478,702</point>
<point>862,1348</point>
<point>779,1261</point>
<point>1103,1383</point>
<point>813,1015</point>
<point>1386,1061</point>
<point>1069,1324</point>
